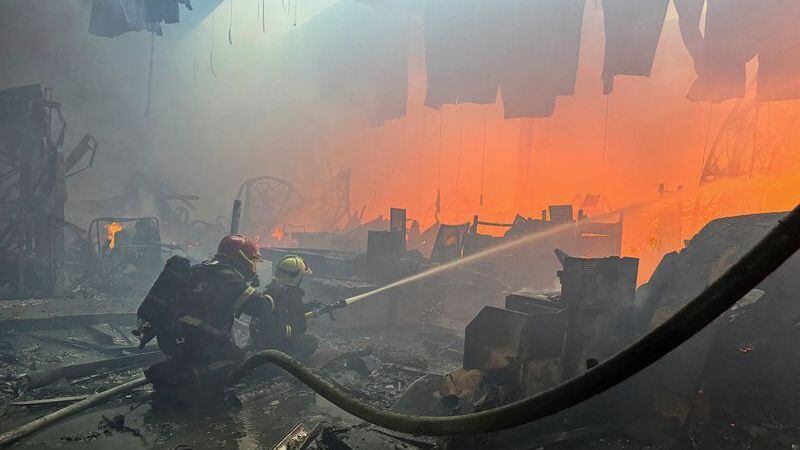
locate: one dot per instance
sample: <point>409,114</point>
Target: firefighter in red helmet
<point>191,310</point>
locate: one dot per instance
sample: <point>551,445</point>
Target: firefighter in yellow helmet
<point>286,329</point>
<point>290,271</point>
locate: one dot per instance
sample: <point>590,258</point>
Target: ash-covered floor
<point>377,364</point>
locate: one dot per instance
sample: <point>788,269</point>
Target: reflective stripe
<point>271,301</point>
<point>245,296</point>
<point>218,365</point>
<point>189,320</point>
<point>174,273</point>
<point>156,299</point>
<point>197,323</point>
<point>288,330</point>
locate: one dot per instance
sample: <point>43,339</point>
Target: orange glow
<point>111,233</point>
<point>652,135</point>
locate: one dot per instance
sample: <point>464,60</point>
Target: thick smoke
<point>255,111</point>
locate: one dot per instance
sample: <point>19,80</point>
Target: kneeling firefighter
<point>191,309</point>
<point>267,331</point>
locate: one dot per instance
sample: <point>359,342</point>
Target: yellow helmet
<point>290,270</point>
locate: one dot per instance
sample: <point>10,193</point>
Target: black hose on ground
<point>772,251</point>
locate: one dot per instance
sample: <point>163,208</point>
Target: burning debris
<point>126,249</point>
<point>111,233</point>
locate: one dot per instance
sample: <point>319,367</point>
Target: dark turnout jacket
<point>287,320</point>
<point>192,309</point>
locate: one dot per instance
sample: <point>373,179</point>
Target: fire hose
<point>763,259</point>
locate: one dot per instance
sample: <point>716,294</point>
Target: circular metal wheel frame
<point>266,200</point>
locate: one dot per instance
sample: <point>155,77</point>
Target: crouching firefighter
<point>285,330</point>
<point>191,309</point>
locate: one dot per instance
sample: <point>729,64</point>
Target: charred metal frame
<point>98,241</point>
<point>33,173</point>
<point>591,239</point>
<point>744,145</point>
<point>261,204</point>
<point>32,188</point>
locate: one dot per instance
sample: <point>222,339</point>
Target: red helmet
<point>232,244</point>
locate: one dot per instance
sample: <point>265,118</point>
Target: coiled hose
<point>772,251</point>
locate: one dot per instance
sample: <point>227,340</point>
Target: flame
<point>277,234</point>
<point>111,233</point>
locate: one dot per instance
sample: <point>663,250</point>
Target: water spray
<point>340,304</point>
